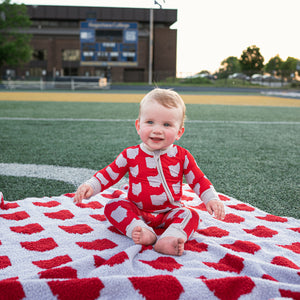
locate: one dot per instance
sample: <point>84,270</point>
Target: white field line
<point>75,176</point>
<point>65,119</point>
<point>132,120</point>
<point>67,174</point>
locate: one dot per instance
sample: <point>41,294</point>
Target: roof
<point>72,13</point>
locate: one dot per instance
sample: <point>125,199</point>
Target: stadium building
<point>100,42</point>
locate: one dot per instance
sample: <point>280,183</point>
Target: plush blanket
<point>51,248</point>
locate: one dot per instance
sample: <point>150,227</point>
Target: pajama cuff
<point>208,195</point>
<point>135,223</point>
<point>95,184</point>
<point>174,232</point>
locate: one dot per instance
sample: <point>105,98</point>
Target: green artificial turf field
<point>248,152</point>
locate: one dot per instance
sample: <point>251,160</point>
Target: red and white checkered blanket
<point>51,248</point>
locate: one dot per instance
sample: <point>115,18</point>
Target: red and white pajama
<point>155,190</point>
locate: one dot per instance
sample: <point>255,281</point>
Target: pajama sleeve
<point>109,175</point>
<point>197,180</point>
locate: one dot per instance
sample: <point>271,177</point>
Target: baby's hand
<point>85,191</point>
<point>216,207</point>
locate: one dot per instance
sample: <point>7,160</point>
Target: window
<point>39,54</point>
<point>71,55</point>
<point>35,72</point>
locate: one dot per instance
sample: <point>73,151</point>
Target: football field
<point>247,145</point>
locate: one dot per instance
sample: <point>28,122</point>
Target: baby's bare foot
<point>143,236</point>
<point>170,245</point>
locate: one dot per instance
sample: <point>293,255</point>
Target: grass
<point>257,163</point>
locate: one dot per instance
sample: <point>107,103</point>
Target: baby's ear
<point>137,125</point>
<point>180,133</point>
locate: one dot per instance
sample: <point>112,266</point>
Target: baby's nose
<point>157,129</point>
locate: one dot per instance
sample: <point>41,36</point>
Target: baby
<point>156,168</point>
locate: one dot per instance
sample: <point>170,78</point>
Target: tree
<point>289,67</point>
<point>252,61</point>
<point>274,66</point>
<point>14,45</point>
<point>230,65</point>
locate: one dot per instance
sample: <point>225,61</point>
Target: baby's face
<point>159,126</point>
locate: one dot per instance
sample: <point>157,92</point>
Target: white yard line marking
<point>67,174</point>
<point>65,119</point>
<point>75,176</point>
<point>132,120</point>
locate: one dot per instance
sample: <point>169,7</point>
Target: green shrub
<point>197,80</point>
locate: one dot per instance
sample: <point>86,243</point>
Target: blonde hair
<point>167,98</point>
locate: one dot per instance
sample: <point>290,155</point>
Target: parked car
<point>240,76</point>
<point>256,77</point>
<point>270,78</point>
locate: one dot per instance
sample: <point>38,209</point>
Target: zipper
<point>163,179</point>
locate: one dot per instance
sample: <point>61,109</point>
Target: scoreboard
<point>108,43</point>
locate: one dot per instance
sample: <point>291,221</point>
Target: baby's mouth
<point>156,139</point>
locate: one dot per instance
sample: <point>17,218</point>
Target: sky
<point>209,31</point>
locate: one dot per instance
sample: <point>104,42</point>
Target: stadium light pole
<point>150,47</point>
<point>151,42</point>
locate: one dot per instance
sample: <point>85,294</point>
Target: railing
<point>55,85</point>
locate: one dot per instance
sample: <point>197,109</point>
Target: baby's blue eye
<point>149,122</point>
<point>167,125</point>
